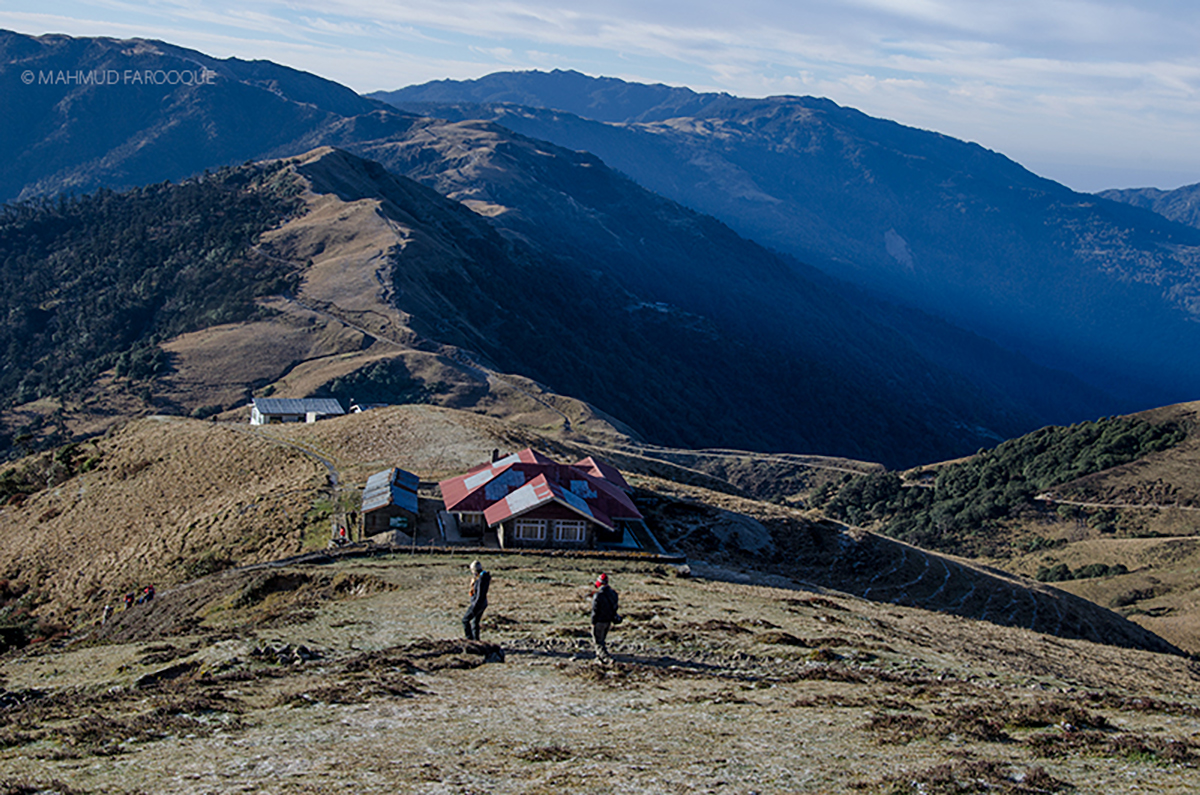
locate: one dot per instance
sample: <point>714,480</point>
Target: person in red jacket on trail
<point>604,615</point>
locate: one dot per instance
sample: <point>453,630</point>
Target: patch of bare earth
<point>316,679</point>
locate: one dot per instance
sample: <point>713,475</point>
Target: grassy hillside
<point>1107,510</point>
<point>310,678</point>
<point>165,498</point>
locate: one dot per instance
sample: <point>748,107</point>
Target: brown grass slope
<point>712,527</point>
<point>172,497</point>
<point>1145,516</point>
<point>357,230</point>
<point>308,679</point>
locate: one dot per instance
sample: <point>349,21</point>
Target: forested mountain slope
<point>818,368</point>
<point>714,363</point>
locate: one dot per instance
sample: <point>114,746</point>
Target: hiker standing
<point>107,614</point>
<point>480,580</point>
<point>604,615</point>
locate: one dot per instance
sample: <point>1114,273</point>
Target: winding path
<point>312,452</point>
<point>1050,498</point>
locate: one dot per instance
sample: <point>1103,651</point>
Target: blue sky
<point>1093,93</point>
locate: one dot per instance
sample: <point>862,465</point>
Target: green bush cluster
<point>1038,543</point>
<point>1061,572</point>
<point>971,498</point>
<point>98,281</point>
<point>382,382</point>
<point>48,469</point>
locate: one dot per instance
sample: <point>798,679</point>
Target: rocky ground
<point>348,677</point>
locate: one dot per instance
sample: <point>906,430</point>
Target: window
<point>570,530</point>
<point>529,530</point>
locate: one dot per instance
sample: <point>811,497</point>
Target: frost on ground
<point>350,677</point>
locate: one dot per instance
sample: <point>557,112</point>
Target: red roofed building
<point>532,501</point>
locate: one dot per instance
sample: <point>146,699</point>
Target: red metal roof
<point>457,489</point>
<point>603,469</point>
<point>518,482</point>
<point>539,492</point>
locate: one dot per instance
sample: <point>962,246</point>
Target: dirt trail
<point>322,457</point>
<point>1050,498</point>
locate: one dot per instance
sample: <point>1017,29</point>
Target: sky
<point>1092,93</point>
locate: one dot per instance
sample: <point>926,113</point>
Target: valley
<point>947,226</point>
<point>880,395</point>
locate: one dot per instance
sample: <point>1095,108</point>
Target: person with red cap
<point>604,615</point>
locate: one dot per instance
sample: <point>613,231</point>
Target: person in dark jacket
<point>480,580</point>
<point>604,615</point>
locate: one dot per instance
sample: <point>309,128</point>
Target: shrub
<point>970,499</point>
<point>1059,572</point>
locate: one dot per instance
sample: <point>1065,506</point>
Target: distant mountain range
<point>1180,204</point>
<point>1074,281</point>
<point>656,314</point>
<point>64,132</point>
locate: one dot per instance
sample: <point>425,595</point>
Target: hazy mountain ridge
<point>1181,204</point>
<point>79,137</point>
<point>854,384</point>
<point>404,266</point>
<point>599,98</point>
<point>942,224</point>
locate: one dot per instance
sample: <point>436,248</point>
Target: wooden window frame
<point>578,526</point>
<point>520,525</point>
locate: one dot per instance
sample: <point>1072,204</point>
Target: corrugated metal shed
<point>391,487</point>
<point>298,406</point>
